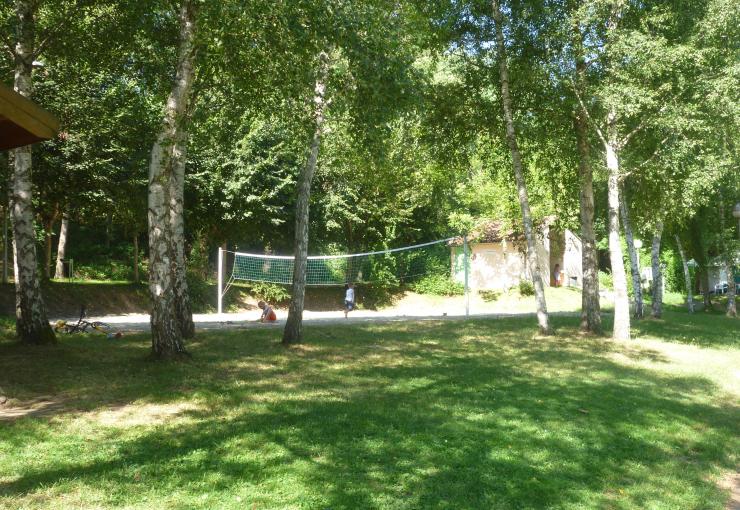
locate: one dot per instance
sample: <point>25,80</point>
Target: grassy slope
<point>478,414</point>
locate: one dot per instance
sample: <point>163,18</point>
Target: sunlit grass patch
<point>432,414</point>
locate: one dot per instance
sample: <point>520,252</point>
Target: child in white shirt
<point>349,299</point>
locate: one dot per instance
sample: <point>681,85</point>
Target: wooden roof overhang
<point>22,122</point>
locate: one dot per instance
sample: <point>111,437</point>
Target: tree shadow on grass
<point>421,416</point>
<point>700,329</point>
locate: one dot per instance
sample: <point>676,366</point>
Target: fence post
<point>71,269</point>
<point>465,265</point>
<point>220,279</point>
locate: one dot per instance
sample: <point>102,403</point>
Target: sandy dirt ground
<point>411,306</point>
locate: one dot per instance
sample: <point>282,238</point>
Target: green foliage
<point>383,271</point>
<point>198,260</point>
<point>672,270</point>
<point>270,292</point>
<point>489,296</point>
<point>606,280</point>
<point>115,270</point>
<point>526,288</point>
<point>438,285</point>
<point>203,295</point>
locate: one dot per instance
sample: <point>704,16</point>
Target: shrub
<point>526,288</point>
<point>489,295</point>
<point>438,285</point>
<point>270,292</point>
<point>202,296</point>
<point>115,270</point>
<point>374,296</point>
<point>606,280</point>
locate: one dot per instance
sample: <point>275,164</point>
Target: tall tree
<point>611,141</point>
<point>366,50</point>
<point>590,306</point>
<point>686,275</point>
<point>294,325</point>
<point>32,325</point>
<point>633,255</point>
<point>167,155</point>
<point>183,308</point>
<point>62,247</point>
<point>728,259</point>
<point>657,295</point>
<point>516,160</point>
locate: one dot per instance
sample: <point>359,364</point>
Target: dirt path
<point>245,320</point>
<point>409,306</point>
<point>731,483</point>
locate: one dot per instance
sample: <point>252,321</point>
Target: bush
<point>438,285</point>
<point>202,296</point>
<point>270,292</point>
<point>673,271</point>
<point>606,280</point>
<point>526,288</point>
<point>374,296</point>
<point>489,295</point>
<point>109,270</point>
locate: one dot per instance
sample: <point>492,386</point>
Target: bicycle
<point>85,326</point>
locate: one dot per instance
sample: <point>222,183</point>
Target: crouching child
<point>268,314</point>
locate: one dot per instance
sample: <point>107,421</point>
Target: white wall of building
<point>502,265</point>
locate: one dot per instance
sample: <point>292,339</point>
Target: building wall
<point>491,265</point>
<point>503,265</point>
<point>572,260</point>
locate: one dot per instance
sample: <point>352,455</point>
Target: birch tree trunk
<point>700,255</point>
<point>731,294</point>
<point>48,235</point>
<point>167,338</point>
<point>62,247</point>
<point>31,323</point>
<point>543,319</point>
<point>293,331</point>
<point>634,258</point>
<point>727,262</point>
<point>5,245</point>
<point>657,272</point>
<point>621,329</point>
<point>590,306</point>
<point>686,276</point>
<point>177,192</point>
<point>704,272</point>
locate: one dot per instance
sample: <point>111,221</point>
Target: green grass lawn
<point>479,414</point>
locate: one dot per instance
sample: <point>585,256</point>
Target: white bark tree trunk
<point>32,325</point>
<point>731,294</point>
<point>62,247</point>
<point>590,306</point>
<point>657,305</point>
<point>167,337</point>
<point>621,329</point>
<point>177,192</point>
<point>5,245</point>
<point>686,276</point>
<point>293,331</point>
<point>543,319</point>
<point>48,235</point>
<point>634,257</point>
<point>727,263</point>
